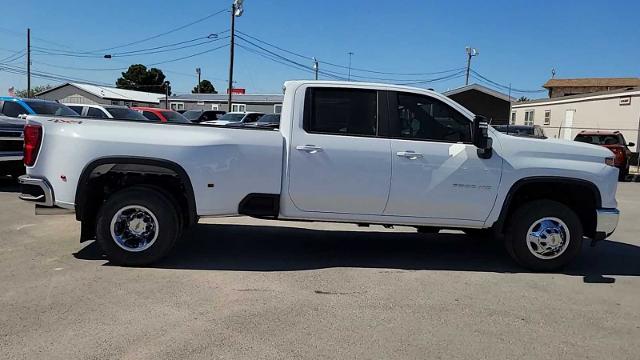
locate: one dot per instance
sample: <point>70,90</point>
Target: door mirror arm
<point>481,137</point>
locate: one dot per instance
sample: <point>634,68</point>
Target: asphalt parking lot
<point>250,289</point>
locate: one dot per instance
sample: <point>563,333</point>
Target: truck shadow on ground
<point>282,248</point>
<point>8,184</point>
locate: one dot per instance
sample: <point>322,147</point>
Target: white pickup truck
<point>345,152</point>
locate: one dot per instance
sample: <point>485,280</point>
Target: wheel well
<point>581,196</point>
<point>104,177</point>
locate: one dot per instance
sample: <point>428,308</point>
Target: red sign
<point>237,91</point>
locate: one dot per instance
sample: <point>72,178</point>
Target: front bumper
<point>606,222</point>
<point>36,190</point>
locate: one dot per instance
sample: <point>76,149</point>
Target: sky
<point>519,42</point>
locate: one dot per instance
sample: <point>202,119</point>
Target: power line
<point>479,76</point>
<point>163,33</point>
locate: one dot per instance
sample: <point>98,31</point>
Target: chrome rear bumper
<point>36,190</point>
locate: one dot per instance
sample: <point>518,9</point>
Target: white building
<point>76,93</point>
<point>564,117</point>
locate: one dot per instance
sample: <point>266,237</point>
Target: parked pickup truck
<point>345,152</point>
<point>11,146</point>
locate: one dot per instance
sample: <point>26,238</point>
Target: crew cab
<point>358,153</point>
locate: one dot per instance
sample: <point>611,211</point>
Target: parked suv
<point>614,141</point>
<point>107,112</point>
<point>198,116</point>
<point>14,107</point>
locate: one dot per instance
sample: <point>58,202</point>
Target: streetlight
<point>471,52</point>
<point>236,10</point>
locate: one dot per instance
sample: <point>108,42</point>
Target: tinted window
<point>174,117</point>
<point>151,116</point>
<point>125,114</point>
<point>252,118</point>
<point>269,119</point>
<point>13,109</point>
<point>192,114</point>
<point>341,111</point>
<point>213,115</point>
<point>96,113</point>
<point>425,118</point>
<point>231,117</point>
<point>77,109</point>
<point>599,139</point>
<point>50,108</point>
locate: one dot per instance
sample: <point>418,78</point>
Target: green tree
<point>138,77</point>
<point>523,99</point>
<point>206,87</point>
<point>34,90</point>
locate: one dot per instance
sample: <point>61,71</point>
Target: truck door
<point>338,163</point>
<point>436,170</point>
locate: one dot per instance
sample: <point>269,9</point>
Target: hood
<point>552,148</point>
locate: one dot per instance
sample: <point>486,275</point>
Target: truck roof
<point>599,132</point>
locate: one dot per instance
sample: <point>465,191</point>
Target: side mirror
<point>481,137</point>
<point>631,144</point>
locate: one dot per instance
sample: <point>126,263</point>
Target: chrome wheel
<point>134,228</point>
<point>548,238</point>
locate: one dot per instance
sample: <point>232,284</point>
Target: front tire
<point>544,235</point>
<point>137,226</point>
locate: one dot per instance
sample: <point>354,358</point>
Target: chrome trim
<point>43,184</point>
<point>10,158</point>
<point>607,220</point>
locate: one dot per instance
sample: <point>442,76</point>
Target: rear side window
<point>341,111</point>
<point>96,113</point>
<point>77,109</point>
<point>422,117</point>
<point>13,109</point>
<point>151,116</point>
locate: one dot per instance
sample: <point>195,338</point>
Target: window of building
<point>277,108</point>
<point>528,117</point>
<point>215,107</point>
<point>238,107</point>
<point>513,118</point>
<point>115,102</point>
<point>177,106</point>
<point>425,118</point>
<point>341,111</point>
<point>547,117</point>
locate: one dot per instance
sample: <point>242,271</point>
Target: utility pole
<point>198,72</point>
<point>349,74</point>
<point>236,10</point>
<point>28,62</point>
<point>315,67</point>
<point>471,52</point>
<point>166,95</point>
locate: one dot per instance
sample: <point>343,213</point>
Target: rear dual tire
<point>137,226</point>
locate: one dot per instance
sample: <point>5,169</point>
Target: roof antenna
<point>553,73</point>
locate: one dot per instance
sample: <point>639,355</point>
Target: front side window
<point>341,111</point>
<point>422,117</point>
<point>13,109</point>
<point>151,116</point>
<point>50,108</point>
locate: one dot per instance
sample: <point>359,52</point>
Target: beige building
<point>566,116</point>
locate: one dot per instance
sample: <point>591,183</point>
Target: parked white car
<point>107,112</point>
<point>235,119</point>
<point>345,152</point>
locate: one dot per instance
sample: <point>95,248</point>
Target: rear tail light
<point>32,140</point>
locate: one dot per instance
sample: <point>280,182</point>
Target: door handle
<point>311,149</point>
<point>411,155</point>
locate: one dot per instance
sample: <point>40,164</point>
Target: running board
<point>47,210</point>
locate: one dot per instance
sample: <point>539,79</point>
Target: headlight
<point>609,161</point>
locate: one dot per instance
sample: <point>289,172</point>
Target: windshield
<point>599,139</point>
<point>174,117</point>
<point>192,114</point>
<point>125,114</point>
<point>231,117</point>
<point>50,108</point>
<point>269,119</point>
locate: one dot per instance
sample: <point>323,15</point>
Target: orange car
<point>161,115</point>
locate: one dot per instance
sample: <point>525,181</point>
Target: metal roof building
<point>92,94</point>
<point>266,103</point>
